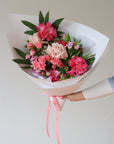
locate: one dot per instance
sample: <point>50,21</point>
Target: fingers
<point>75,96</point>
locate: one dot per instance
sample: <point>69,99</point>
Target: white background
<point>23,107</point>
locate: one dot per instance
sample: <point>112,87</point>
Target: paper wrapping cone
<point>92,40</point>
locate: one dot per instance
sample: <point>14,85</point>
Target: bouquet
<point>52,54</point>
<point>58,55</point>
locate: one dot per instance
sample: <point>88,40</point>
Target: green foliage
<point>90,60</point>
<point>30,25</point>
<point>57,22</point>
<point>21,61</point>
<point>29,32</point>
<point>47,17</point>
<point>41,17</point>
<point>67,38</point>
<point>86,56</point>
<point>20,53</point>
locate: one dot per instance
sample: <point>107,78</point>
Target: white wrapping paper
<point>92,40</point>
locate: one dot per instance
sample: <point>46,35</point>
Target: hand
<point>75,96</point>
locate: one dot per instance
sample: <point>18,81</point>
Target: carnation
<point>57,51</point>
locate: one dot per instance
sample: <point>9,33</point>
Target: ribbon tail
<point>57,121</point>
<point>47,123</point>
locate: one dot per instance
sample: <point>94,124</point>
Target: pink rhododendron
<point>78,66</point>
<point>46,31</point>
<point>57,51</point>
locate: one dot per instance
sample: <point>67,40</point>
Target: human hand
<point>75,96</point>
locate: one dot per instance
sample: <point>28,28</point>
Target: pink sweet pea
<point>27,57</point>
<point>70,44</point>
<point>32,52</point>
<point>77,47</point>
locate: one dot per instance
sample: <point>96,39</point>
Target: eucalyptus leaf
<point>30,25</point>
<point>30,32</point>
<point>47,17</point>
<point>41,17</point>
<point>21,61</point>
<point>57,22</point>
<point>20,53</point>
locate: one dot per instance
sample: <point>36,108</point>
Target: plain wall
<point>23,107</point>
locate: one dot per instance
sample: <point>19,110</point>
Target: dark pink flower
<point>78,66</point>
<point>46,31</point>
<point>62,42</point>
<point>54,75</point>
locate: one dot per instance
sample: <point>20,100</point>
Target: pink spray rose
<point>30,45</point>
<point>38,45</point>
<point>57,51</point>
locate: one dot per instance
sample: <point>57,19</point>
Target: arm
<point>103,88</point>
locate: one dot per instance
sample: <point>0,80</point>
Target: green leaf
<point>47,17</point>
<point>86,56</point>
<point>20,53</point>
<point>21,61</point>
<point>77,53</point>
<point>41,17</point>
<point>30,25</point>
<point>60,32</point>
<point>90,60</point>
<point>26,67</point>
<point>67,38</point>
<point>57,22</point>
<point>29,32</point>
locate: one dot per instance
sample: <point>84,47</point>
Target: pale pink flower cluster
<point>34,41</point>
<point>57,51</point>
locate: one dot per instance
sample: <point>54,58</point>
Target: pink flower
<point>41,66</point>
<point>70,44</point>
<point>32,52</point>
<point>35,64</point>
<point>78,66</point>
<point>38,45</point>
<point>27,57</point>
<point>33,58</point>
<point>46,31</point>
<point>57,62</point>
<point>77,47</point>
<point>57,51</point>
<point>43,59</point>
<point>62,42</point>
<point>30,45</point>
<point>54,75</point>
<point>34,39</point>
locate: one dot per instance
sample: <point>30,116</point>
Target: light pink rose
<point>34,39</point>
<point>57,51</point>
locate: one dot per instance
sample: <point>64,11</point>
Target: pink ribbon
<point>56,109</point>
